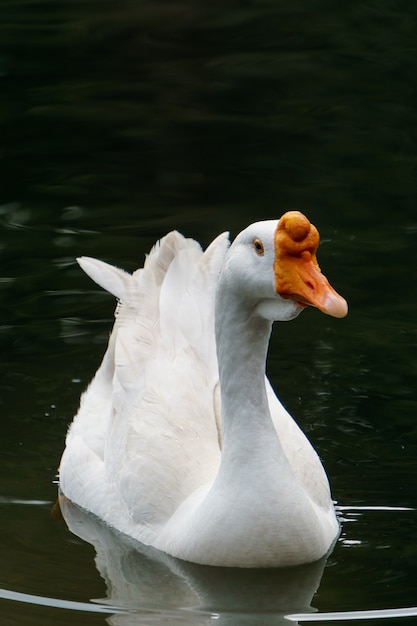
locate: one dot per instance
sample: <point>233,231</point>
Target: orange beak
<point>297,273</point>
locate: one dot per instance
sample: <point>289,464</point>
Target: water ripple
<point>339,616</point>
<point>27,598</point>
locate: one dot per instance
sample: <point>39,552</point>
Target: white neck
<point>242,344</point>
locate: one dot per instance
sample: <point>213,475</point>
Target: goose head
<point>272,268</point>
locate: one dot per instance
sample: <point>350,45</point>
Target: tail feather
<point>112,279</point>
<point>165,308</point>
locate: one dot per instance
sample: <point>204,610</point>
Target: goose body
<point>180,441</point>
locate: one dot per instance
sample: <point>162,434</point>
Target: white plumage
<point>180,442</point>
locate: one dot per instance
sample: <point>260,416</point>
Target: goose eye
<point>258,247</point>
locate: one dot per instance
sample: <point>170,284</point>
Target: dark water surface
<point>123,120</point>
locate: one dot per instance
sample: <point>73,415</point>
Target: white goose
<point>180,442</point>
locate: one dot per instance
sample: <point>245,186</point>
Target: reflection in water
<point>143,579</point>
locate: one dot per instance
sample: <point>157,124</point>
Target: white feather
<point>112,279</point>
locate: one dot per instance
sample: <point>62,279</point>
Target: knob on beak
<point>297,273</point>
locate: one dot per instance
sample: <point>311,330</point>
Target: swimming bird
<point>180,441</point>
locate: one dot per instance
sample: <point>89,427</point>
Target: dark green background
<point>120,121</point>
